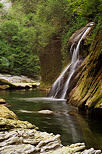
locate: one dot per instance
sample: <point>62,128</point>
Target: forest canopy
<point>30,25</point>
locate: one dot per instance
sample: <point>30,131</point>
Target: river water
<point>66,120</point>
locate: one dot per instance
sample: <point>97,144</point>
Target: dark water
<point>65,120</point>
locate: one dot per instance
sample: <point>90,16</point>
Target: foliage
<point>1,5</point>
<point>31,25</point>
<point>16,47</point>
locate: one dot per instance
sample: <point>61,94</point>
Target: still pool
<point>66,120</point>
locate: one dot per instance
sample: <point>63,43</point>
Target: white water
<point>61,85</point>
<point>74,62</point>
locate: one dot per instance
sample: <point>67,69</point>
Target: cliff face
<point>87,94</point>
<point>51,62</point>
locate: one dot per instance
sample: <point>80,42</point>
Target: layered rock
<point>87,94</point>
<point>8,82</point>
<point>6,113</point>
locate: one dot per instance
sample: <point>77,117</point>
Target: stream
<point>66,120</point>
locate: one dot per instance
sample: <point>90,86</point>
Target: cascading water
<point>60,87</point>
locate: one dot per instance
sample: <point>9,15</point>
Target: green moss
<point>89,86</point>
<point>4,82</point>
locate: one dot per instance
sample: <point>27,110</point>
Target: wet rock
<point>28,141</point>
<point>92,151</point>
<point>17,149</point>
<point>87,94</point>
<point>78,34</point>
<point>6,113</point>
<point>69,149</point>
<point>45,112</point>
<point>4,87</point>
<point>2,101</point>
<point>41,112</point>
<point>6,124</point>
<point>9,81</point>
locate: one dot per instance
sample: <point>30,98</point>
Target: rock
<point>6,113</point>
<point>6,124</point>
<point>2,101</point>
<point>41,112</point>
<point>17,149</point>
<point>77,35</point>
<point>4,87</point>
<point>87,94</point>
<point>3,81</point>
<point>92,151</point>
<point>28,141</point>
<point>22,137</point>
<point>9,81</point>
<point>45,112</point>
<point>69,149</point>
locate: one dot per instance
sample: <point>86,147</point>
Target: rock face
<point>87,94</point>
<point>50,62</point>
<point>67,79</point>
<point>8,81</point>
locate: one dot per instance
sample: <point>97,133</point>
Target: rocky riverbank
<point>22,137</point>
<point>8,81</point>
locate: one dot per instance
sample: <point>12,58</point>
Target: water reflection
<point>65,120</point>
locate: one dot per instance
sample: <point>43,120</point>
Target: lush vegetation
<point>30,25</point>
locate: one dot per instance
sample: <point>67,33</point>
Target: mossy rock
<point>88,91</point>
<point>6,113</point>
<point>5,82</point>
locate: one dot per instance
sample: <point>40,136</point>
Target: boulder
<point>45,112</point>
<point>2,101</point>
<point>6,113</point>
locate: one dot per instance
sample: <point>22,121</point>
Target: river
<point>66,120</point>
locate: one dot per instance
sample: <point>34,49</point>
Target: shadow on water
<point>65,120</point>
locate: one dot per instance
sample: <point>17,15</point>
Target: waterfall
<point>60,87</point>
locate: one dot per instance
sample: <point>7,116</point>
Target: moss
<point>4,82</point>
<point>88,90</point>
